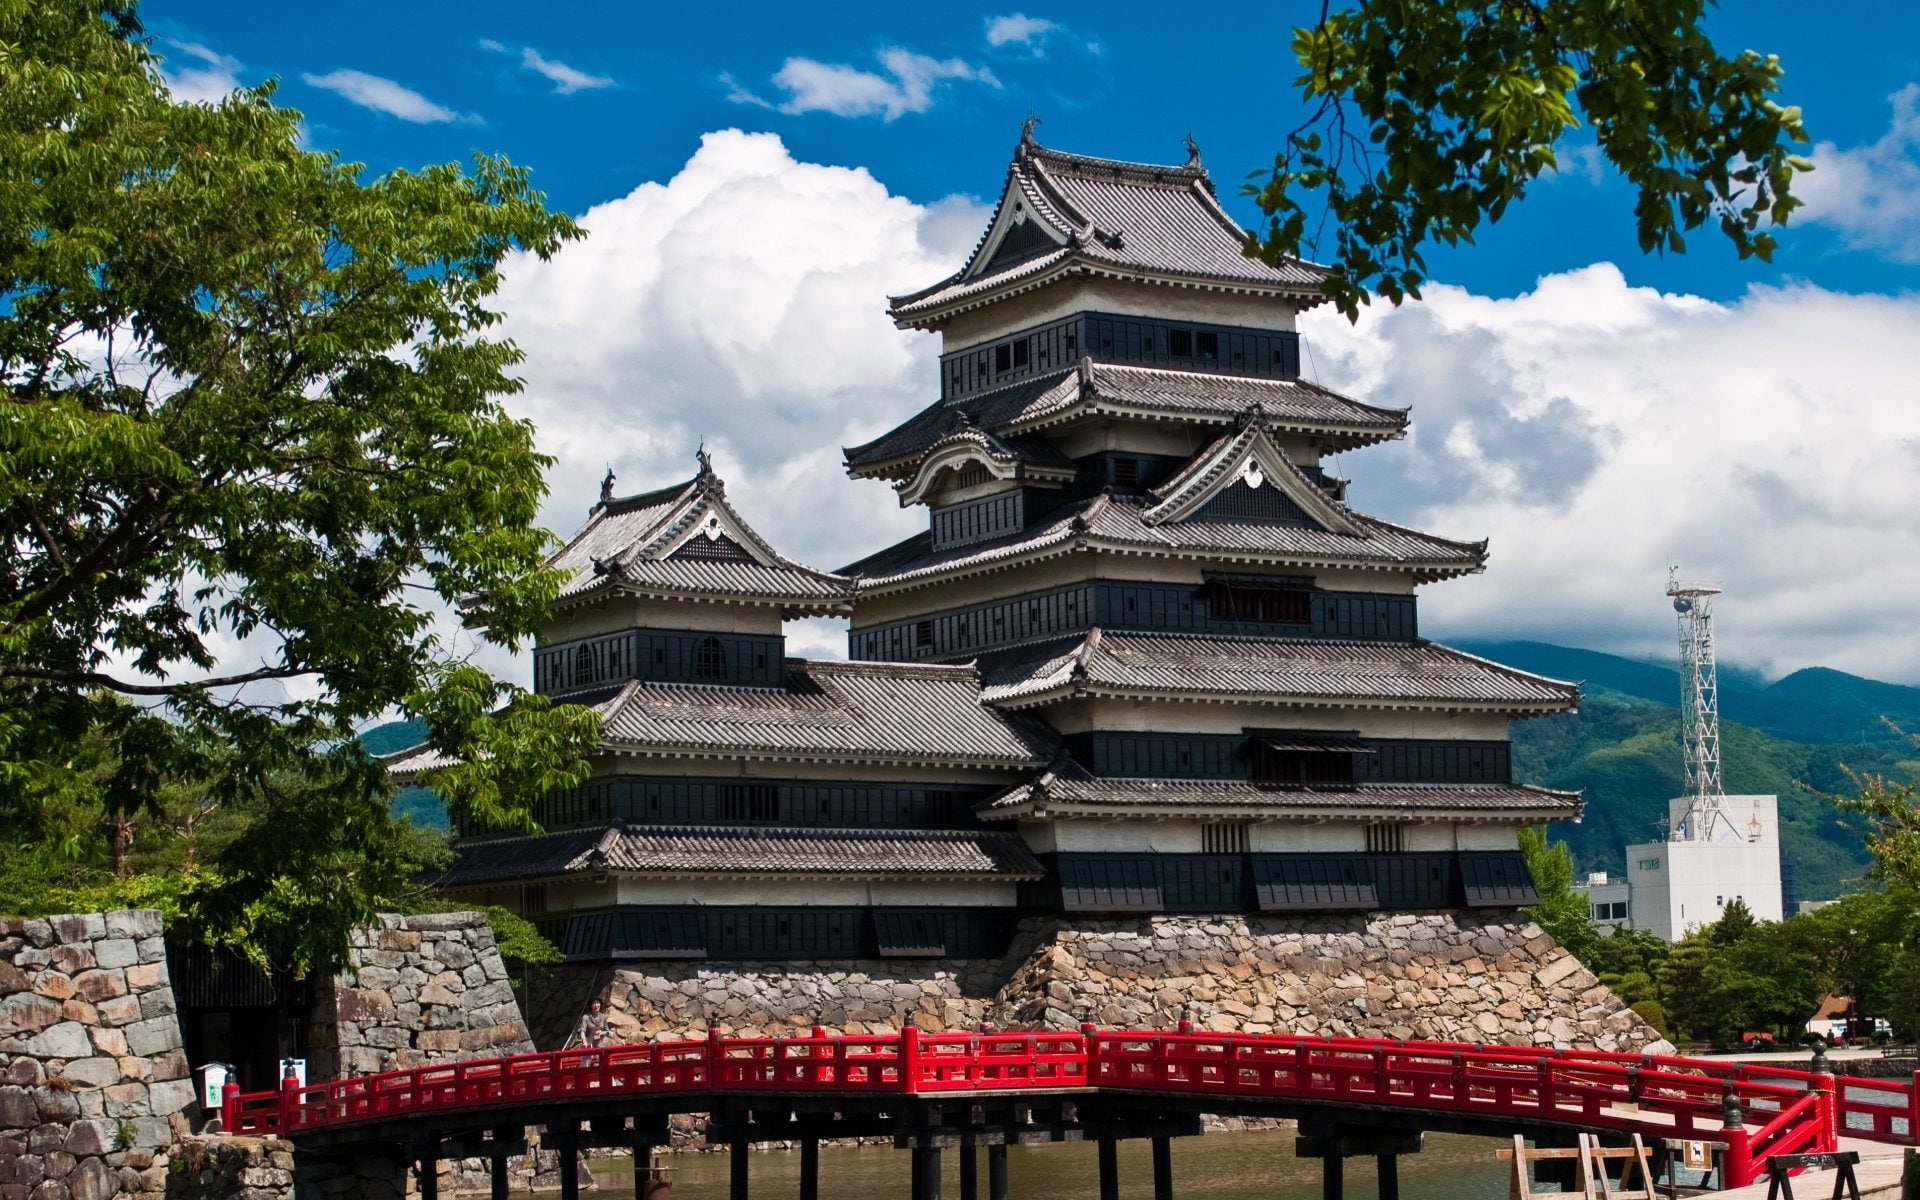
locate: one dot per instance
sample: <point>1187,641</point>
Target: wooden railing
<point>1753,1113</point>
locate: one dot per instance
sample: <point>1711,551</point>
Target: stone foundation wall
<point>1470,977</point>
<point>416,990</point>
<point>218,1167</point>
<point>93,1080</point>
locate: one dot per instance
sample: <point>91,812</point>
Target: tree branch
<point>101,679</point>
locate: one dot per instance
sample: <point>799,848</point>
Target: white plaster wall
<point>1677,886</point>
<point>1120,297</point>
<point>1295,837</point>
<point>1165,837</point>
<point>1477,836</point>
<point>621,613</point>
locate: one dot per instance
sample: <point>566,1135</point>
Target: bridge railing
<point>1753,1112</point>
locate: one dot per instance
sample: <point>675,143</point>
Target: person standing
<point>593,1026</point>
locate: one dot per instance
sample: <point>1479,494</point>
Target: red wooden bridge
<point>1127,1081</point>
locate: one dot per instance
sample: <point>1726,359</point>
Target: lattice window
<point>582,665</point>
<point>1386,839</point>
<point>1225,838</point>
<point>709,659</point>
<point>1264,605</point>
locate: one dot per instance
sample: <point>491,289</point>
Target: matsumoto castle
<point>1145,659</point>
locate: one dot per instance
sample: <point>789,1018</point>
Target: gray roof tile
<point>1116,523</point>
<point>1068,789</point>
<point>1116,389</point>
<point>1268,670</point>
<point>746,851</point>
<point>632,543</point>
<point>1114,217</point>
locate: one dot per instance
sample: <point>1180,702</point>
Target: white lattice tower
<point>1699,711</point>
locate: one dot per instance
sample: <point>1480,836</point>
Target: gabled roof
<point>1115,523</point>
<point>1025,459</point>
<point>1251,457</point>
<point>687,541</point>
<point>1067,789</point>
<point>1065,214</point>
<point>1306,672</point>
<point>744,852</point>
<point>1094,390</point>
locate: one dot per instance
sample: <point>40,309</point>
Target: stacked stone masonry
<point>417,990</point>
<point>1478,978</point>
<point>93,1078</point>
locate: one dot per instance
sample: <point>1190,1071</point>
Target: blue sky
<point>1763,432</point>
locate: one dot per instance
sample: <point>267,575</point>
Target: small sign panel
<point>1697,1156</point>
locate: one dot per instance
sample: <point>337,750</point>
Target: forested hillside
<point>1789,738</point>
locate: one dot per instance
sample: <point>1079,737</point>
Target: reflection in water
<point>1219,1166</point>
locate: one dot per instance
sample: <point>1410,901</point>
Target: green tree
<point>253,442</point>
<point>1562,912</point>
<point>1429,117</point>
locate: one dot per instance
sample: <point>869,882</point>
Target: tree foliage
<point>252,443</point>
<point>1429,117</point>
<point>1562,912</point>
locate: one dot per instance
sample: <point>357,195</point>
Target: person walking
<point>593,1026</point>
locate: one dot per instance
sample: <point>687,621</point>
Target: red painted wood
<point>1784,1111</point>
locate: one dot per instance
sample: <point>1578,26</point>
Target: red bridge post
<point>230,1107</point>
<point>715,1056</point>
<point>909,1056</point>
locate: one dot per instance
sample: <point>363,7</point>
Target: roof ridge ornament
<point>1193,151</point>
<point>1027,143</point>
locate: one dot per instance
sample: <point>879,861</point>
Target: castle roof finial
<point>1193,150</point>
<point>606,486</point>
<point>1026,130</point>
<point>704,459</point>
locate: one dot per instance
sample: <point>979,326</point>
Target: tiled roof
<point>746,851</point>
<point>1117,523</point>
<point>1153,393</point>
<point>1112,217</point>
<point>836,710</point>
<point>1068,789</point>
<point>641,544</point>
<point>1267,670</point>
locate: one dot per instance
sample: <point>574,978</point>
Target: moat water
<point>1255,1165</point>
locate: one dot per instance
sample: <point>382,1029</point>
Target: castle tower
<point>747,805</point>
<point>1132,533</point>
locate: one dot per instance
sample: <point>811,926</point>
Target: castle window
<point>749,802</point>
<point>582,665</point>
<point>1002,358</point>
<point>1207,345</point>
<point>1126,472</point>
<point>1386,839</point>
<point>1259,603</point>
<point>1020,353</point>
<point>1305,759</point>
<point>1070,345</point>
<point>1179,343</point>
<point>923,633</point>
<point>709,659</point>
<point>1225,838</point>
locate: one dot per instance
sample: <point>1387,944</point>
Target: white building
<point>1674,886</point>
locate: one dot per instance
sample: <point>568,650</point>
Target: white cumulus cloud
<point>1593,430</point>
<point>1597,432</point>
<point>200,75</point>
<point>741,303</point>
<point>1018,29</point>
<point>384,95</point>
<point>1871,193</point>
<point>906,83</point>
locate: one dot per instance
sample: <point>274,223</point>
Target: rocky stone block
<point>120,1010</point>
<point>169,1096</point>
<point>71,958</point>
<point>95,1138</point>
<point>17,1109</point>
<point>79,927</point>
<point>153,1036</point>
<point>100,984</point>
<point>116,952</point>
<point>153,950</point>
<point>93,1072</point>
<point>68,1039</point>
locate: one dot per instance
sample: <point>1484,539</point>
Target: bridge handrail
<point>1780,1111</point>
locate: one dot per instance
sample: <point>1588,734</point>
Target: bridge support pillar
<point>926,1173</point>
<point>1334,1145</point>
<point>1109,1169</point>
<point>1163,1169</point>
<point>969,1171</point>
<point>428,1156</point>
<point>997,1171</point>
<point>737,1174</point>
<point>809,1168</point>
<point>497,1177</point>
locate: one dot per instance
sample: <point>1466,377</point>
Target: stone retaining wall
<point>416,990</point>
<point>1491,977</point>
<point>93,1079</point>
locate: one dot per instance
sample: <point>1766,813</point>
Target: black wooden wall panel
<point>661,656</point>
<point>1044,349</point>
<point>640,800</point>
